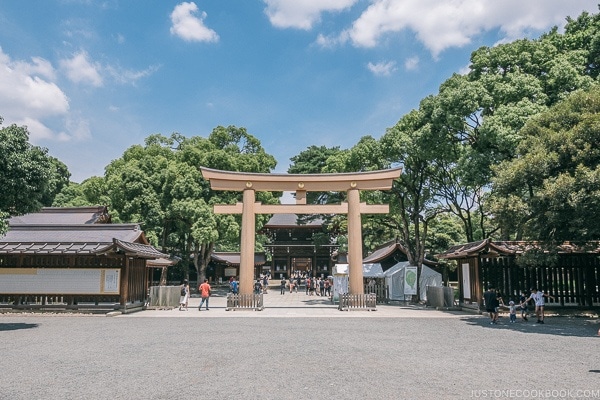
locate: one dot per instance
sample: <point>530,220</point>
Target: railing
<point>357,302</point>
<point>245,302</point>
<point>83,303</point>
<point>381,291</point>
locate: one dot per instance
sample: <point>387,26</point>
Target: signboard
<point>466,282</point>
<point>410,280</point>
<point>60,281</point>
<point>230,271</point>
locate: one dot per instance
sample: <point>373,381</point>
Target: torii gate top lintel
<point>239,181</point>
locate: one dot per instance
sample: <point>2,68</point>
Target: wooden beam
<point>342,208</point>
<point>369,180</point>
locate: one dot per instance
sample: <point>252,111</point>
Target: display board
<point>60,281</point>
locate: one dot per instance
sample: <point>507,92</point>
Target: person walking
<point>184,295</point>
<point>523,305</point>
<point>512,311</point>
<point>322,287</point>
<point>258,286</point>
<point>538,298</point>
<point>205,290</point>
<point>283,282</point>
<point>491,304</point>
<point>235,286</point>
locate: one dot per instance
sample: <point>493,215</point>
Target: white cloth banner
<point>410,280</point>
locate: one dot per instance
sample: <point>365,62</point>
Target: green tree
<point>551,189</point>
<point>29,177</point>
<point>160,186</point>
<point>91,192</point>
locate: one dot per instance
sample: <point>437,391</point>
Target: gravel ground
<point>97,357</point>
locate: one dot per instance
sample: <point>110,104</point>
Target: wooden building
<point>391,253</point>
<point>572,277</point>
<point>71,258</point>
<point>224,265</point>
<point>293,248</point>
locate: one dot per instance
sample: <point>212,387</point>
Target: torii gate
<point>351,183</point>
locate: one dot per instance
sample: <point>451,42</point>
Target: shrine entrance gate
<point>351,183</point>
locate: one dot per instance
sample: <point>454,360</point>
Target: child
<point>523,305</point>
<point>512,311</point>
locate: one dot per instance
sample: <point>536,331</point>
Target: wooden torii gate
<point>351,183</point>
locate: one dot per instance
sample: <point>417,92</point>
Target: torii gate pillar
<point>247,242</point>
<point>355,257</point>
<point>351,183</point>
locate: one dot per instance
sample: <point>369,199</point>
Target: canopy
<point>372,271</point>
<point>394,279</point>
<point>369,270</point>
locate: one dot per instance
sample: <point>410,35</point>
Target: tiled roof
<point>67,239</point>
<point>234,258</point>
<point>291,221</point>
<point>388,250</point>
<point>506,248</point>
<point>64,216</point>
<point>101,233</point>
<point>161,262</point>
<point>134,249</point>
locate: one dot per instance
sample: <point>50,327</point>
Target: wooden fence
<point>349,302</point>
<point>245,302</point>
<point>574,281</point>
<point>60,302</point>
<point>380,291</point>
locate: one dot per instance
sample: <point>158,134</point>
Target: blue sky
<point>91,78</point>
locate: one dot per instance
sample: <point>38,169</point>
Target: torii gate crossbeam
<point>351,183</point>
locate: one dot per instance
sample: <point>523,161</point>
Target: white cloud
<point>302,14</point>
<point>411,63</point>
<point>27,95</point>
<point>189,27</point>
<point>80,69</point>
<point>382,68</point>
<point>443,24</point>
<point>123,76</point>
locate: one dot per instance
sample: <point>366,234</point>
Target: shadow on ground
<point>560,326</point>
<point>16,326</point>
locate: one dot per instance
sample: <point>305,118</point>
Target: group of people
<point>314,286</point>
<point>493,300</point>
<point>204,289</point>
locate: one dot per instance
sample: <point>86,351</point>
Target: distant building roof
<point>506,248</point>
<point>291,221</point>
<point>64,216</point>
<point>103,233</point>
<point>75,230</point>
<point>387,250</point>
<point>234,258</point>
<point>134,249</point>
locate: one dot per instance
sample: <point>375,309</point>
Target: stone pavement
<point>297,347</point>
<point>294,305</point>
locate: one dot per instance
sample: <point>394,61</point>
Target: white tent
<point>372,271</point>
<point>394,279</point>
<point>340,276</point>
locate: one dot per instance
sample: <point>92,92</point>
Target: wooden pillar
<point>247,243</point>
<point>355,273</point>
<point>125,282</point>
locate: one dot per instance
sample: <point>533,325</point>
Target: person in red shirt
<point>204,289</point>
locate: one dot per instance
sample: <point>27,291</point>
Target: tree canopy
<point>29,177</point>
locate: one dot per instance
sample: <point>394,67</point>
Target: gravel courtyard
<point>441,355</point>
